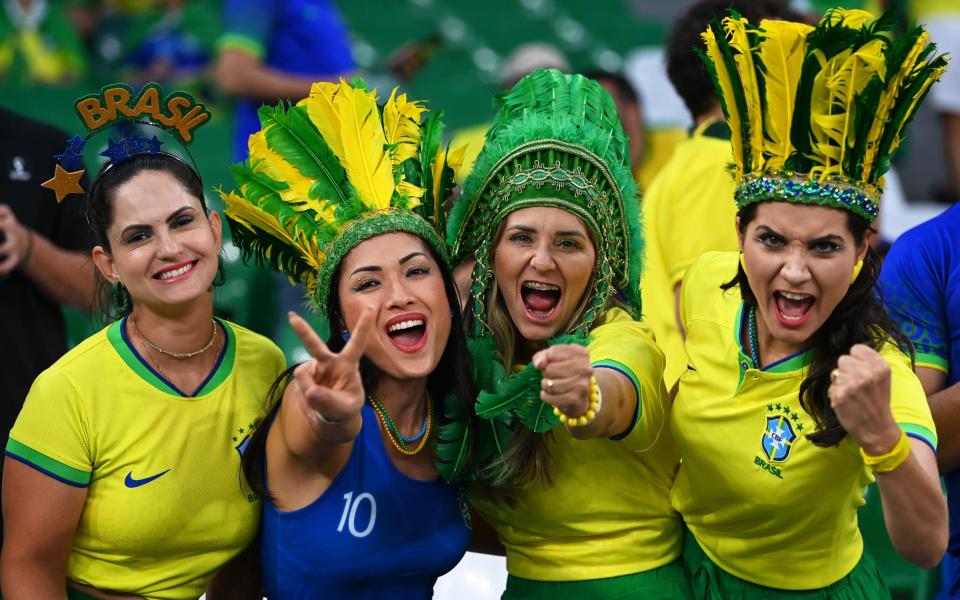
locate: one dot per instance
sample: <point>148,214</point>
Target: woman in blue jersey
<point>121,470</point>
<point>353,505</point>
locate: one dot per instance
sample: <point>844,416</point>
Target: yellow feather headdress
<point>817,112</point>
<point>332,171</point>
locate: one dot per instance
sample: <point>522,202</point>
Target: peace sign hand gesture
<point>330,390</point>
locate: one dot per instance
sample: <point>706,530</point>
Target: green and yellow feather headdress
<point>333,171</point>
<point>817,112</point>
<point>556,140</point>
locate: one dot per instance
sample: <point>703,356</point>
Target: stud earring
<point>345,335</point>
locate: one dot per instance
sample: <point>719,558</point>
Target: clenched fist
<point>566,373</point>
<point>860,395</point>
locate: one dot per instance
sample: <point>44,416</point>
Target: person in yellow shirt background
<point>686,209</point>
<point>798,393</point>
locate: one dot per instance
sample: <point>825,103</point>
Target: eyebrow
<point>561,233</point>
<point>832,237</point>
<point>172,216</point>
<point>377,269</point>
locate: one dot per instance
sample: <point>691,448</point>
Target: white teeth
<point>795,297</point>
<point>175,272</point>
<point>536,285</point>
<point>405,325</point>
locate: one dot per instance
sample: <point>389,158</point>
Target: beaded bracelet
<point>596,401</point>
<point>884,463</point>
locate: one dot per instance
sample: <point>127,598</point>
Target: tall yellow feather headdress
<point>816,112</point>
<point>333,171</point>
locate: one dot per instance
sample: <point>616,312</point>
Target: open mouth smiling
<point>175,272</point>
<point>408,332</point>
<point>540,300</point>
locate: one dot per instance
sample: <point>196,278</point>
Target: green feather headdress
<point>816,113</point>
<point>556,141</point>
<point>333,171</point>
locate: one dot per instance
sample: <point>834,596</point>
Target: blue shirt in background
<point>298,37</point>
<point>920,282</point>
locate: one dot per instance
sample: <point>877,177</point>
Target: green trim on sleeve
<point>238,41</point>
<point>48,465</point>
<point>921,432</point>
<point>932,361</point>
<point>609,363</point>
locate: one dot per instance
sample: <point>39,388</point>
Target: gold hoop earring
<point>856,271</point>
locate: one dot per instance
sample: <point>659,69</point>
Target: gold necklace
<point>177,355</point>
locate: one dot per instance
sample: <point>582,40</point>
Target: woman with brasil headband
<point>797,394</point>
<point>550,215</point>
<point>121,470</point>
<point>348,202</point>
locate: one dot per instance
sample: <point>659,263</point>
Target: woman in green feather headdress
<point>798,392</point>
<point>574,452</point>
<point>346,197</point>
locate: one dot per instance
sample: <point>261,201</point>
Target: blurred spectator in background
<point>38,44</point>
<point>168,41</point>
<point>920,282</point>
<point>276,49</point>
<point>630,110</point>
<point>689,208</point>
<point>942,20</point>
<point>44,259</point>
<point>523,59</point>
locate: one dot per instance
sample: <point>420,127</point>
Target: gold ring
<point>549,386</point>
<point>833,375</point>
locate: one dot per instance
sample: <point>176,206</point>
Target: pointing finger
<point>359,338</point>
<point>311,341</point>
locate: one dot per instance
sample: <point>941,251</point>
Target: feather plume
<point>293,137</point>
<point>740,43</point>
<point>363,146</point>
<point>431,137</point>
<point>835,89</point>
<point>401,125</point>
<point>902,59</point>
<point>781,54</point>
<point>323,115</point>
<point>265,160</point>
<point>454,440</point>
<point>727,85</point>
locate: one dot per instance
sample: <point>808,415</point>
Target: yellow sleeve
<point>51,433</point>
<point>627,347</point>
<point>907,398</point>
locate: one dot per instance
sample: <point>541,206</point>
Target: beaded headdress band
<point>816,112</point>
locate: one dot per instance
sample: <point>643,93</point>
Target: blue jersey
<point>297,37</point>
<point>374,533</point>
<point>920,282</point>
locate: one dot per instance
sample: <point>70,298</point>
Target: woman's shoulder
<point>251,342</point>
<point>87,356</point>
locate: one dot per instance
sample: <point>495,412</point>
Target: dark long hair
<point>859,318</point>
<point>453,373</point>
<point>115,302</point>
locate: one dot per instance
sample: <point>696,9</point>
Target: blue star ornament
<point>154,145</point>
<point>72,157</point>
<point>116,151</point>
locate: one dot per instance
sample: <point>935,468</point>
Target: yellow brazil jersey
<point>166,503</point>
<point>688,210</point>
<point>607,512</point>
<point>764,502</point>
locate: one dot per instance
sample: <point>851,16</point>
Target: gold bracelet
<point>596,401</point>
<point>885,463</point>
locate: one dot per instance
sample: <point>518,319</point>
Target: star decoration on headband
<point>72,157</point>
<point>63,183</point>
<point>125,147</point>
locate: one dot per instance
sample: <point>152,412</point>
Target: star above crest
<point>63,183</point>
